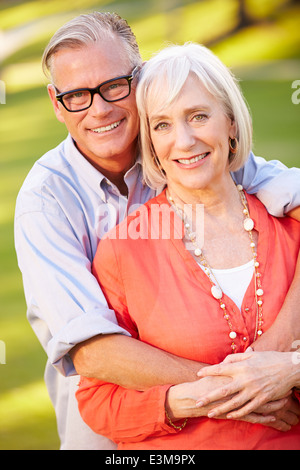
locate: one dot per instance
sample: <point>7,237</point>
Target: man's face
<point>106,133</point>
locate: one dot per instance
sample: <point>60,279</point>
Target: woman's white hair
<point>171,67</point>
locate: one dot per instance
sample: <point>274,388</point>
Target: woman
<point>191,272</point>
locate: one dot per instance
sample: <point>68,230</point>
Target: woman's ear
<point>233,129</point>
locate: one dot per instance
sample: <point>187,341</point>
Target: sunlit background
<point>258,39</point>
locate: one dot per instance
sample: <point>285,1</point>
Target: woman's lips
<point>192,161</point>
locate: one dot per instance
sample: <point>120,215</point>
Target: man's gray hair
<point>92,28</point>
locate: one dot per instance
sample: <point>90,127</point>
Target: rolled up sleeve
<point>65,304</point>
<point>277,186</point>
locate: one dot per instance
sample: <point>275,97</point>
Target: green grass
<point>28,128</point>
<point>276,120</point>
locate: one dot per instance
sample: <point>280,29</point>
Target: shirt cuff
<point>79,329</point>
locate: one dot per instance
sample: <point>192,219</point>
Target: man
<point>73,195</point>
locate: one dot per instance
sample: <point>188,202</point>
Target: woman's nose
<point>184,138</point>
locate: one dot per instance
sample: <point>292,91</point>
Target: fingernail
<point>211,414</point>
<point>199,404</point>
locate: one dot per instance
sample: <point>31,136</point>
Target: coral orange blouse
<point>162,297</point>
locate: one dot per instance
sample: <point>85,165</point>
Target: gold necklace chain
<point>216,290</point>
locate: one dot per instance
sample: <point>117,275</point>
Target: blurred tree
<point>244,17</point>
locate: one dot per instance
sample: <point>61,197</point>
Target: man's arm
<point>66,307</point>
<point>131,363</point>
<point>286,328</point>
<point>294,213</point>
<point>277,186</point>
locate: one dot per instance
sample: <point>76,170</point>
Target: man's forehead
<point>89,61</point>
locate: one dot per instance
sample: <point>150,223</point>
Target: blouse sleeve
<point>122,415</point>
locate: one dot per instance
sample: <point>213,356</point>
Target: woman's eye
<point>161,126</point>
<point>200,117</point>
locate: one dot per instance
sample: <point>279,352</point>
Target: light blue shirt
<point>63,209</point>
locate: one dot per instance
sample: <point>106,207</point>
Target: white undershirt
<point>234,282</point>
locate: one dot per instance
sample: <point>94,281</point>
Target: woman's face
<point>190,137</point>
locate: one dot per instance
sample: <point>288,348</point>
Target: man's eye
<point>75,96</point>
<point>79,94</point>
<point>113,86</point>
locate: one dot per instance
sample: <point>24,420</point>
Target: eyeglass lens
<point>112,91</point>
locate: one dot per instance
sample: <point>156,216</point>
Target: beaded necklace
<point>216,290</point>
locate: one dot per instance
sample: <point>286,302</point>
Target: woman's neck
<point>219,227</point>
<point>219,200</point>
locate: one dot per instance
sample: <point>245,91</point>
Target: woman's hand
<point>181,402</point>
<point>256,378</point>
<point>182,398</point>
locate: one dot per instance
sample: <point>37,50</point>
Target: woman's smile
<point>192,162</point>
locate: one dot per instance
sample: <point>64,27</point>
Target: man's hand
<point>181,402</point>
<point>256,379</point>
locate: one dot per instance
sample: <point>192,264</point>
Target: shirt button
<point>246,309</point>
<point>245,338</point>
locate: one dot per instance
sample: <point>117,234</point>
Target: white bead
<point>197,252</point>
<point>239,187</point>
<point>259,332</point>
<point>216,292</point>
<point>260,292</point>
<point>232,335</point>
<point>248,224</point>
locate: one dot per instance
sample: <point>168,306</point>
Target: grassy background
<point>264,51</point>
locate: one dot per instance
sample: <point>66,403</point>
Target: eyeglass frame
<point>96,90</point>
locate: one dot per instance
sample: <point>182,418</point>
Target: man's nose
<point>100,106</point>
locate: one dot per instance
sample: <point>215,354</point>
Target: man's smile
<point>101,130</point>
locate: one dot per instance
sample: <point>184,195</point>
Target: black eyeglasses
<point>112,90</point>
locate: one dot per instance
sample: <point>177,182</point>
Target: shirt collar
<point>95,179</point>
<point>82,167</point>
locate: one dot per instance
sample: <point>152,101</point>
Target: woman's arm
<point>120,414</point>
<point>132,416</point>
